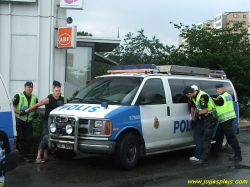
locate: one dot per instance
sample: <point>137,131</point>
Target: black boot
<point>26,160</point>
<point>235,158</point>
<point>200,162</point>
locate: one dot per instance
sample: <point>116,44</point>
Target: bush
<point>37,132</point>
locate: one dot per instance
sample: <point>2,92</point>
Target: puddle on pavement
<point>239,167</point>
<point>44,168</point>
<point>155,181</point>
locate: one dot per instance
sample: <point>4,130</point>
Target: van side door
<point>154,115</point>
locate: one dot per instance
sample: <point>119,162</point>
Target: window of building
<point>236,15</point>
<point>218,24</point>
<point>217,18</point>
<point>154,86</point>
<point>236,22</point>
<point>78,66</point>
<point>244,23</point>
<point>244,16</point>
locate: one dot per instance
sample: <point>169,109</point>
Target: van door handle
<point>168,111</point>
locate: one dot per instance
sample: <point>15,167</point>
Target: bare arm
<point>65,101</point>
<point>203,111</point>
<point>41,103</point>
<point>192,112</point>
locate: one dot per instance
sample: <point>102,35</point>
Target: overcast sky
<point>102,18</point>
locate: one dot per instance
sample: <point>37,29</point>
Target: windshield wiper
<point>78,99</point>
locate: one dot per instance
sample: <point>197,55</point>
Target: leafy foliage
<point>82,33</point>
<point>73,96</point>
<point>225,49</point>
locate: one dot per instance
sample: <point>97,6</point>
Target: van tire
<point>65,154</point>
<point>127,151</point>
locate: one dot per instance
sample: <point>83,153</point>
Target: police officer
<point>205,123</point>
<point>51,102</point>
<point>226,114</point>
<point>21,102</point>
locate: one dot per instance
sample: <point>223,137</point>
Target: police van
<point>136,110</point>
<point>8,124</point>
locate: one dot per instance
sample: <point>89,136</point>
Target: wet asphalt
<point>167,169</point>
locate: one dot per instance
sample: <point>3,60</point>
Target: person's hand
<point>192,123</point>
<point>22,113</point>
<point>35,116</point>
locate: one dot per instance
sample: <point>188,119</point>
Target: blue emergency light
<point>105,104</point>
<point>132,68</point>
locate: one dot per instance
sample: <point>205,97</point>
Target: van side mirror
<point>149,98</point>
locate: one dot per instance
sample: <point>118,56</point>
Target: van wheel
<point>127,151</point>
<point>224,143</point>
<point>65,154</point>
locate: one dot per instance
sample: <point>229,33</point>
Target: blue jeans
<point>45,131</point>
<point>198,133</point>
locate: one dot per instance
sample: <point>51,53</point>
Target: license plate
<point>65,146</point>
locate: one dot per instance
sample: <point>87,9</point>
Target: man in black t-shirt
<point>51,102</point>
<point>4,150</point>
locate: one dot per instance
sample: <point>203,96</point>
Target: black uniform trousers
<point>227,129</point>
<point>206,143</point>
<point>25,133</point>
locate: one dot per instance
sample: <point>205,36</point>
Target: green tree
<point>82,33</point>
<point>141,50</point>
<point>219,49</point>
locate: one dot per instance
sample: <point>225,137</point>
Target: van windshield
<point>114,90</point>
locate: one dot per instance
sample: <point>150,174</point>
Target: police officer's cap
<point>56,83</point>
<point>186,90</point>
<point>28,83</point>
<point>219,86</point>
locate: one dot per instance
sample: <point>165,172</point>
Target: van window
<point>114,90</point>
<point>209,87</point>
<point>154,86</point>
<point>177,86</point>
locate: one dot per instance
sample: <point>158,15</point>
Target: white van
<point>136,110</point>
<point>8,124</point>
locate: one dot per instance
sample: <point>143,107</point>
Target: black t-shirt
<point>53,103</point>
<point>4,150</point>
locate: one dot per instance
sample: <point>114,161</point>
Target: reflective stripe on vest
<point>23,105</point>
<point>210,104</point>
<point>226,111</point>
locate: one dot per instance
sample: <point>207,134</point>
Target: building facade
<point>28,51</point>
<point>227,19</point>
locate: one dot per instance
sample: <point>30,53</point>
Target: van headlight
<point>98,124</point>
<point>69,129</point>
<point>53,127</point>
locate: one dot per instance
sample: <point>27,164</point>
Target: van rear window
<point>177,86</point>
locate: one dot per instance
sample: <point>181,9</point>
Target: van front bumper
<point>88,146</point>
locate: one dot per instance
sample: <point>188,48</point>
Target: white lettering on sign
<point>64,39</point>
<point>134,117</point>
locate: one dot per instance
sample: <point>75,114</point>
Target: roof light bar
<point>133,68</point>
<point>218,73</point>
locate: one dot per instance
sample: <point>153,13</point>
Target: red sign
<point>66,37</point>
